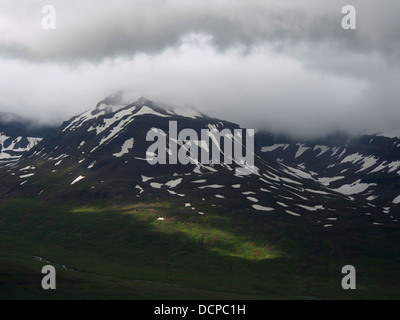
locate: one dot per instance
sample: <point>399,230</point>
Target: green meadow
<point>162,250</point>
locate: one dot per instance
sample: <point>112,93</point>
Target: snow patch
<point>274,147</point>
<point>322,148</point>
<point>327,181</point>
<point>199,181</point>
<point>140,188</point>
<point>248,192</point>
<point>252,199</point>
<point>173,183</point>
<point>128,144</point>
<point>315,208</point>
<point>293,213</point>
<point>301,150</point>
<point>396,200</point>
<point>282,204</point>
<point>213,186</point>
<point>27,168</point>
<point>144,178</point>
<point>27,175</point>
<point>77,179</point>
<point>92,165</point>
<point>262,208</point>
<point>146,110</point>
<point>354,188</point>
<point>156,185</point>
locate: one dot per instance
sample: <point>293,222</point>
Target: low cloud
<point>281,65</point>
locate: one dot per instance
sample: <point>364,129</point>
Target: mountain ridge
<point>18,135</point>
<point>102,154</point>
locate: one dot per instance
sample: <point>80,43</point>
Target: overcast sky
<point>281,65</point>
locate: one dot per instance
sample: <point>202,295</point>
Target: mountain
<point>363,169</point>
<point>18,135</point>
<point>101,154</point>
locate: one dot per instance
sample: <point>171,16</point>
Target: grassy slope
<point>124,252</point>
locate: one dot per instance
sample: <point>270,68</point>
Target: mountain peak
<point>122,99</point>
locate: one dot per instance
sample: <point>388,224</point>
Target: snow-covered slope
<point>17,136</point>
<point>103,153</point>
<point>364,168</point>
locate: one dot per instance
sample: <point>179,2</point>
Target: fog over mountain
<point>283,66</point>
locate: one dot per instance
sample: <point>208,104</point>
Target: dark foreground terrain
<point>162,250</point>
